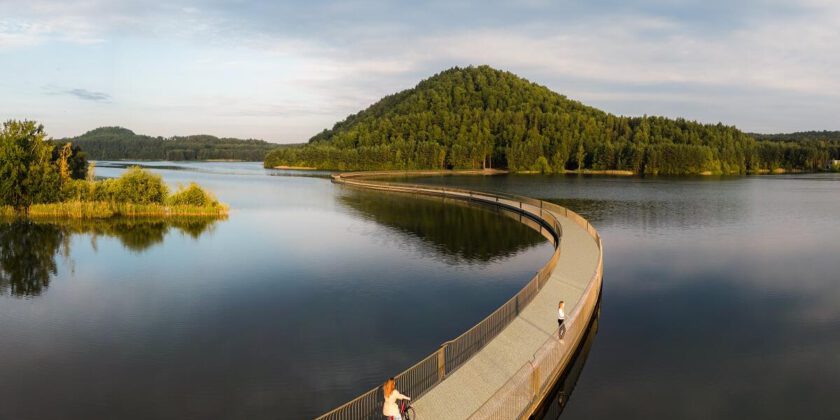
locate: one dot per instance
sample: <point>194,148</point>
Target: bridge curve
<point>505,366</point>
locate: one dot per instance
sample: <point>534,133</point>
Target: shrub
<point>104,190</point>
<point>192,195</point>
<point>78,190</point>
<point>541,165</point>
<point>137,186</point>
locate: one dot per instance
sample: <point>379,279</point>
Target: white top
<point>390,407</point>
<point>560,314</point>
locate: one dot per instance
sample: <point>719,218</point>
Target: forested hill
<point>113,143</point>
<point>802,136</point>
<point>478,117</point>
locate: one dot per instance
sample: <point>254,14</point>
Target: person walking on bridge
<point>390,408</point>
<point>561,318</point>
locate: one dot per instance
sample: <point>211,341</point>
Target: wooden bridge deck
<point>464,391</point>
<point>505,366</point>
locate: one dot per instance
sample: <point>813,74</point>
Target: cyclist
<point>390,408</point>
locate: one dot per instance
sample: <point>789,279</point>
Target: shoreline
<point>599,172</point>
<point>171,161</point>
<point>107,210</point>
<point>296,168</point>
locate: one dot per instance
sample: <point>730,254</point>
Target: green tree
<point>27,174</point>
<point>580,156</point>
<point>70,160</point>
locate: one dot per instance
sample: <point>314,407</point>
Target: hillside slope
<point>114,143</point>
<point>478,117</point>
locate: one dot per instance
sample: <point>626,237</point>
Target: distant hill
<point>114,143</point>
<point>478,117</point>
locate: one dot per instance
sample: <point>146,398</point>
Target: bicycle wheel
<point>410,414</point>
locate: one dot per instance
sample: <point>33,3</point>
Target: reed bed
<point>7,211</point>
<point>104,210</point>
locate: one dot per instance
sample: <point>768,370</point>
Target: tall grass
<point>7,212</point>
<point>105,209</point>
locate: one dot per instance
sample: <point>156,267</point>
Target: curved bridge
<point>505,366</point>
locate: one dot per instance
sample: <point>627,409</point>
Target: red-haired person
<point>390,409</point>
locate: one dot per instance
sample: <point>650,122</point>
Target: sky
<point>285,70</point>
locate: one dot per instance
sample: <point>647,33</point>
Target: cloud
<point>764,65</point>
<point>79,93</point>
<point>16,33</point>
<point>89,95</point>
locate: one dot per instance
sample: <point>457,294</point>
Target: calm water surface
<point>721,296</point>
<point>307,295</point>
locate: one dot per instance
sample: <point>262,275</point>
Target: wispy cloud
<point>79,93</point>
<point>89,95</point>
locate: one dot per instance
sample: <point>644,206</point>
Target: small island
<point>41,180</point>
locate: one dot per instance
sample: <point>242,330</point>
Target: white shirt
<point>560,314</point>
<point>390,407</point>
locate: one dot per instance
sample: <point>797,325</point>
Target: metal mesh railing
<point>430,371</point>
<point>525,390</point>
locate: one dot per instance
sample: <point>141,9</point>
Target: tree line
<point>479,117</point>
<point>115,143</point>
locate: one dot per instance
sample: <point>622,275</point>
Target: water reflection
<point>561,393</point>
<point>293,306</point>
<point>653,215</point>
<point>28,249</point>
<point>651,203</point>
<point>27,257</point>
<point>723,293</point>
<point>458,231</point>
<point>213,168</point>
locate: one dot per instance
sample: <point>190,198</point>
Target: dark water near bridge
<point>308,294</point>
<point>721,296</point>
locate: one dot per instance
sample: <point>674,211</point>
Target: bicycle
<point>407,411</point>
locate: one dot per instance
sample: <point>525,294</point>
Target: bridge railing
<point>520,396</point>
<point>434,368</point>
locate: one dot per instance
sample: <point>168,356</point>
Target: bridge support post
<point>441,362</point>
<point>535,380</point>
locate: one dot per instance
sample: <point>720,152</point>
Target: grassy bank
<point>104,210</point>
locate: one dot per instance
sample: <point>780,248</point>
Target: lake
<point>720,299</point>
<point>308,294</point>
<point>721,295</point>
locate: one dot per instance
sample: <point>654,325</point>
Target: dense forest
<point>479,117</point>
<point>114,143</point>
<point>802,136</point>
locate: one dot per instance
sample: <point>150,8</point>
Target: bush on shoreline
<point>192,195</point>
